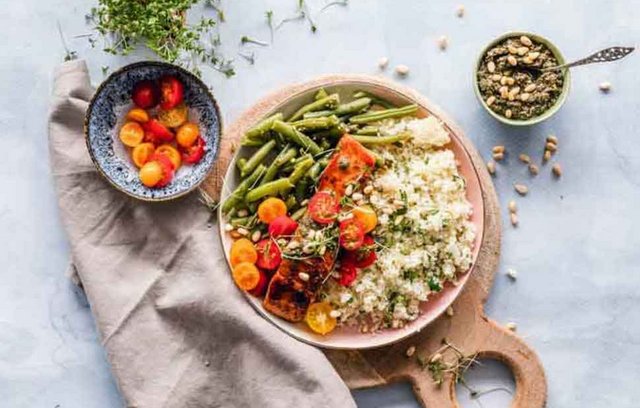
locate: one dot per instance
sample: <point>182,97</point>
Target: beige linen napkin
<point>177,331</point>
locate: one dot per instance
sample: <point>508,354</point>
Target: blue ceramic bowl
<point>105,116</point>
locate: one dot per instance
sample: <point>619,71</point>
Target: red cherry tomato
<point>145,94</point>
<point>348,274</point>
<point>282,225</point>
<point>364,256</point>
<point>167,168</point>
<point>323,207</point>
<point>157,132</point>
<point>172,92</point>
<point>261,287</point>
<point>193,154</point>
<point>351,234</point>
<point>268,254</point>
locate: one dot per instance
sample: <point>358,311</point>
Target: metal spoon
<point>606,55</point>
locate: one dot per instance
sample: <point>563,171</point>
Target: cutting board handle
<point>492,341</point>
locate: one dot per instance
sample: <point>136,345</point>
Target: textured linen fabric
<point>177,331</point>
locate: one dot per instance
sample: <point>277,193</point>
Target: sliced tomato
<point>351,234</point>
<point>145,94</point>
<point>157,132</point>
<point>261,287</point>
<point>167,168</point>
<point>364,256</point>
<point>282,225</point>
<point>172,92</point>
<point>193,154</point>
<point>269,256</point>
<point>323,207</point>
<point>348,273</point>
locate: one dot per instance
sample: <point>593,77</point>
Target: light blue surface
<point>577,297</point>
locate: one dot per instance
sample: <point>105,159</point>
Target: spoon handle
<point>606,55</point>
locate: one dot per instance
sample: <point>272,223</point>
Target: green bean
<point>295,136</point>
<point>288,168</point>
<point>301,189</point>
<point>271,188</point>
<point>244,186</point>
<point>375,116</point>
<point>317,114</point>
<point>301,169</point>
<point>240,221</point>
<point>241,162</point>
<point>291,202</point>
<point>368,131</point>
<point>328,102</point>
<point>262,127</point>
<point>325,144</point>
<point>257,157</point>
<point>355,106</point>
<point>299,213</point>
<point>332,133</point>
<point>322,93</point>
<point>288,154</point>
<point>374,100</point>
<point>313,124</point>
<point>251,142</point>
<point>375,140</point>
<point>315,170</point>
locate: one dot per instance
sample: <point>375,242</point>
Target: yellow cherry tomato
<point>138,115</point>
<point>319,318</point>
<point>242,251</point>
<point>151,173</point>
<point>270,209</point>
<point>141,153</point>
<point>187,134</point>
<point>367,216</point>
<point>246,275</point>
<point>174,117</point>
<point>131,134</point>
<point>172,153</point>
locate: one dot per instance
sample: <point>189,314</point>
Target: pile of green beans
<point>290,155</point>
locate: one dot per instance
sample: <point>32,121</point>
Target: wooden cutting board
<point>469,329</point>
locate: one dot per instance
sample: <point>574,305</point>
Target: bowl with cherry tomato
<point>153,130</point>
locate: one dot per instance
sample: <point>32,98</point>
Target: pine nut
<point>498,149</point>
<point>491,100</point>
<point>335,314</point>
<point>512,49</point>
<point>503,80</point>
<point>512,273</point>
<point>349,190</point>
<point>383,62</point>
<point>303,276</point>
<point>235,234</point>
<point>508,113</point>
<point>605,87</point>
<point>496,77</point>
<point>510,81</point>
<point>443,42</point>
<point>491,66</point>
<point>552,139</point>
<point>357,196</point>
<point>557,170</point>
<point>530,88</point>
<point>533,169</point>
<point>552,147</point>
<point>243,231</point>
<point>512,326</point>
<point>450,311</point>
<point>512,206</point>
<point>524,158</point>
<point>498,156</point>
<point>512,60</point>
<point>460,11</point>
<point>521,189</point>
<point>436,357</point>
<point>243,213</point>
<point>368,189</point>
<point>255,237</point>
<point>526,41</point>
<point>547,156</point>
<point>525,97</point>
<point>228,227</point>
<point>410,351</point>
<point>491,168</point>
<point>514,219</point>
<point>402,70</point>
<point>533,55</point>
<point>522,51</point>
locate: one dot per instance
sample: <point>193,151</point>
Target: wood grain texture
<point>469,328</point>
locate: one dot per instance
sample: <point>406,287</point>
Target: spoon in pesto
<point>606,55</point>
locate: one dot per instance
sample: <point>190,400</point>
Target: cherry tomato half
<point>145,94</point>
<point>364,256</point>
<point>172,92</point>
<point>141,153</point>
<point>172,153</point>
<point>282,225</point>
<point>269,256</point>
<point>348,273</point>
<point>193,154</point>
<point>323,207</point>
<point>261,287</point>
<point>157,132</point>
<point>351,234</point>
<point>187,134</point>
<point>167,168</point>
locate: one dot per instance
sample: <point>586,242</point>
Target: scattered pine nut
<point>436,357</point>
<point>526,41</point>
<point>450,311</point>
<point>512,206</point>
<point>525,158</point>
<point>552,139</point>
<point>512,274</point>
<point>498,156</point>
<point>547,156</point>
<point>508,113</point>
<point>556,170</point>
<point>491,167</point>
<point>497,149</point>
<point>255,237</point>
<point>228,227</point>
<point>552,147</point>
<point>402,70</point>
<point>521,189</point>
<point>460,11</point>
<point>242,213</point>
<point>410,351</point>
<point>443,42</point>
<point>511,326</point>
<point>243,231</point>
<point>605,87</point>
<point>303,276</point>
<point>533,169</point>
<point>383,62</point>
<point>514,219</point>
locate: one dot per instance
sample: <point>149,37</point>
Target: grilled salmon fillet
<point>288,296</point>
